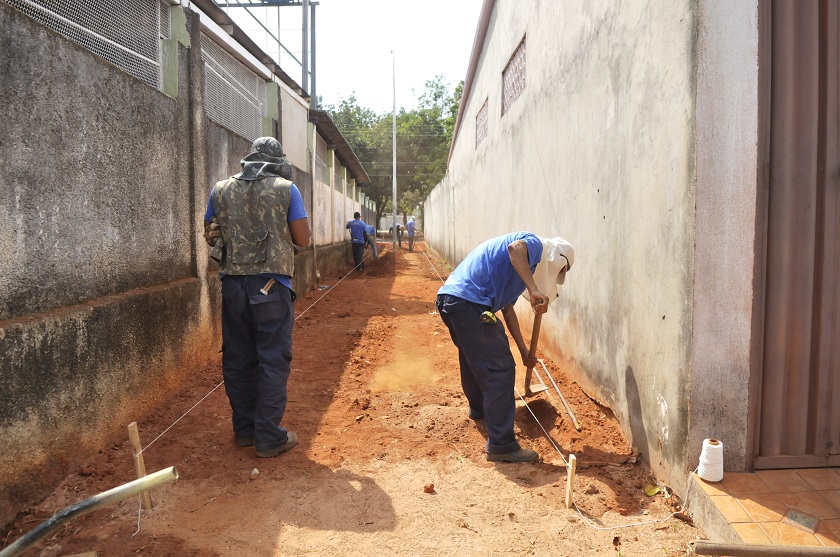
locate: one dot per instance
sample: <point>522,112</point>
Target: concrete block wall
<point>103,305</point>
<point>108,297</point>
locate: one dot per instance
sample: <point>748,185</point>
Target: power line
<point>398,162</point>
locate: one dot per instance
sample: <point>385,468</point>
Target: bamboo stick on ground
<point>139,465</point>
<point>570,480</point>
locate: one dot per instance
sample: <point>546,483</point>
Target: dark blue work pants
<point>488,371</point>
<point>359,255</point>
<point>257,355</point>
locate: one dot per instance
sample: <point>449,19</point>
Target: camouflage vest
<point>252,217</point>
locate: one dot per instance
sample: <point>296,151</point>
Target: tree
<point>427,133</point>
<point>423,139</point>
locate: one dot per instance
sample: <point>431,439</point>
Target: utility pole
<point>304,81</point>
<point>394,152</point>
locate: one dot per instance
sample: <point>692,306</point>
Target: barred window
<point>234,96</point>
<point>513,77</point>
<point>481,124</point>
<point>126,33</point>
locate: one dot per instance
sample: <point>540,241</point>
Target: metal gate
<point>799,393</point>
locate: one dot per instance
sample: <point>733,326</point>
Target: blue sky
<point>355,39</point>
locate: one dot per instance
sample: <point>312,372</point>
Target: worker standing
<point>409,226</point>
<point>253,220</point>
<point>488,280</point>
<point>357,240</point>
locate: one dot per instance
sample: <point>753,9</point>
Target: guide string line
<point>222,383</point>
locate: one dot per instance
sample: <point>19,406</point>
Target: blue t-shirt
<point>487,277</point>
<point>410,227</point>
<point>296,211</point>
<point>357,231</point>
<point>369,229</point>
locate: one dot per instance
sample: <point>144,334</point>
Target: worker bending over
<point>490,279</point>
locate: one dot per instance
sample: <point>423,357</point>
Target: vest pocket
<point>251,246</point>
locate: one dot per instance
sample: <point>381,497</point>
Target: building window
<point>481,124</point>
<point>513,77</point>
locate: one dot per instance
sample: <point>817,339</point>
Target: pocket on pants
<point>501,362</point>
<point>270,310</point>
<point>272,296</point>
<point>497,355</point>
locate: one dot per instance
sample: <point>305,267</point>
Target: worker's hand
<point>211,231</point>
<point>527,360</point>
<point>539,301</point>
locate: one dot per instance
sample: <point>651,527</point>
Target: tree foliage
<point>423,139</point>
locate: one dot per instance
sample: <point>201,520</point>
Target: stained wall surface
<point>295,114</point>
<point>103,301</point>
<point>599,149</point>
<point>108,297</point>
<point>727,131</point>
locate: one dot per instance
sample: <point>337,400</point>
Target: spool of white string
<point>711,461</point>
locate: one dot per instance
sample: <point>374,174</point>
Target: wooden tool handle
<point>535,335</point>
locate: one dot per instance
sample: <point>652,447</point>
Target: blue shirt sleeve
<point>210,213</point>
<point>535,249</point>
<point>297,210</point>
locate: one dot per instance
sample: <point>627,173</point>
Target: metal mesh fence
<point>124,32</point>
<point>165,21</point>
<point>234,96</point>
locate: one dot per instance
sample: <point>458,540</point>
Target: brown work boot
<point>522,455</point>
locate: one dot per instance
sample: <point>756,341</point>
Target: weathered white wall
<point>323,211</point>
<point>332,198</point>
<point>321,197</point>
<point>727,154</point>
<point>295,118</point>
<point>598,149</point>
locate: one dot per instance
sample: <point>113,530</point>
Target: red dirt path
<point>388,462</point>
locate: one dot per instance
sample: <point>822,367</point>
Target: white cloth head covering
<point>558,256</point>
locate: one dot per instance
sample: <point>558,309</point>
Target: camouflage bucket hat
<point>268,146</point>
<point>265,159</point>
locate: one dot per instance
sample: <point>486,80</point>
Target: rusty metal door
<point>799,392</point>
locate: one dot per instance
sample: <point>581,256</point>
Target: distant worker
<point>254,220</point>
<point>410,228</point>
<point>489,279</point>
<point>357,240</point>
<point>370,239</point>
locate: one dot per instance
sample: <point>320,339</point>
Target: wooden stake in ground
<point>570,479</point>
<point>137,451</point>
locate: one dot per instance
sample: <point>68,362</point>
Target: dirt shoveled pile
<point>388,461</point>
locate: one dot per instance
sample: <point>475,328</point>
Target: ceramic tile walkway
<point>780,507</point>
